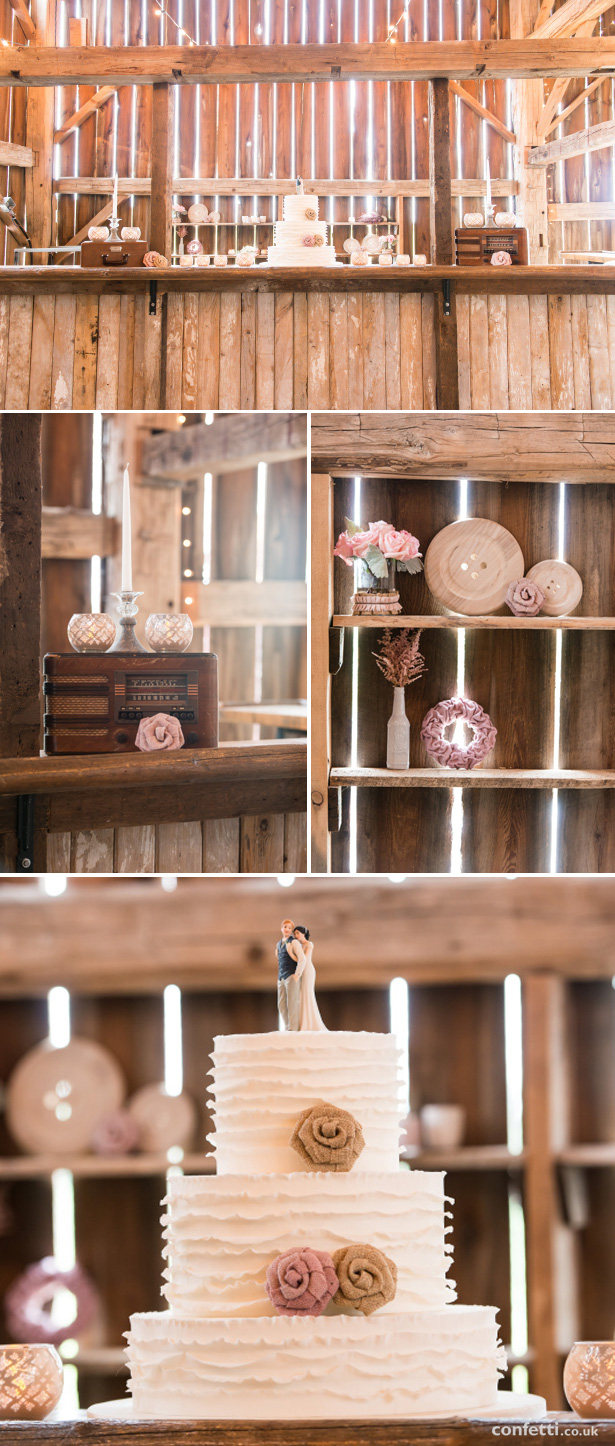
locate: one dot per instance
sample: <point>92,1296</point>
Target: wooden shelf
<point>416,620</point>
<point>467,1157</point>
<point>469,280</point>
<point>592,1155</point>
<point>231,762</point>
<point>83,1432</point>
<point>472,778</point>
<point>102,1167</point>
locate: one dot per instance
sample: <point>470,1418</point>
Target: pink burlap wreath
<point>455,755</point>
<point>161,731</point>
<point>28,1300</point>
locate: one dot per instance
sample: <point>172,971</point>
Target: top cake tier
<point>302,209</point>
<point>262,1083</point>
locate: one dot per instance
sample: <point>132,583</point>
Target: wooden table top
<point>522,280</point>
<point>83,1432</point>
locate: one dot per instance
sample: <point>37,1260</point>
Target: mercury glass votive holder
<point>91,632</point>
<point>169,632</point>
<point>589,1379</point>
<point>31,1381</point>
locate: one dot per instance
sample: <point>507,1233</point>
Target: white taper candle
<point>126,538</point>
<point>489,206</point>
<point>115,195</point>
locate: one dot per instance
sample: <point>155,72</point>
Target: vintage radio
<point>113,253</point>
<point>475,245</point>
<point>94,702</point>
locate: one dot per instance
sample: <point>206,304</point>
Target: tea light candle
<point>185,260</point>
<point>474,218</point>
<point>130,233</point>
<point>98,233</point>
<point>31,1380</point>
<point>219,260</point>
<point>419,259</point>
<point>169,632</point>
<point>385,259</point>
<point>403,261</point>
<point>202,260</point>
<point>126,538</point>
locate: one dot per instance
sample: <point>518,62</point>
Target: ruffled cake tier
<point>263,1083</point>
<point>296,1368</point>
<point>222,1233</point>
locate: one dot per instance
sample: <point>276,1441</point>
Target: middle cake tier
<point>222,1233</point>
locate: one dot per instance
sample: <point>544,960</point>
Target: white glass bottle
<point>398,732</point>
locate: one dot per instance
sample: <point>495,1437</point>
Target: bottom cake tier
<point>298,1368</point>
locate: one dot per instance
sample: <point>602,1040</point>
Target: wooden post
<point>527,107</point>
<point>322,611</point>
<point>161,233</point>
<point>549,1243</point>
<point>20,584</point>
<point>441,244</point>
<point>39,136</point>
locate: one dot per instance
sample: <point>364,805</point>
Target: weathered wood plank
<point>498,326</point>
<point>560,350</point>
<point>179,848</point>
<point>300,353</point>
<point>39,395</point>
<point>374,373</point>
<point>338,350</point>
<point>539,349</point>
<point>19,353</point>
<point>208,357</point>
<point>248,357</point>
<point>392,351</point>
<point>63,353</point>
<point>355,350</point>
<point>230,344</point>
<point>108,364</point>
<point>86,352</point>
<point>265,352</point>
<point>189,352</point>
<point>173,342</point>
<point>20,584</point>
<point>519,353</point>
<point>318,350</point>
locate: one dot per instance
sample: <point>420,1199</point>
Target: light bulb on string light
<point>160,10</point>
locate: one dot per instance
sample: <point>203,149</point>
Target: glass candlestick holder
<point>91,632</point>
<point>169,632</point>
<point>114,231</point>
<point>126,640</point>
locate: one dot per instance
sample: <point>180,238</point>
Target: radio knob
<point>193,738</point>
<point>121,737</point>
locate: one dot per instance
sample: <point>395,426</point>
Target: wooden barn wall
<point>513,677</point>
<point>247,350</point>
<point>252,843</point>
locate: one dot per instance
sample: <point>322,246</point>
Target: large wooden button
<point>470,565</point>
<point>561,585</point>
<point>55,1097</point>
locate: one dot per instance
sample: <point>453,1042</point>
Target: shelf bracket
<point>25,832</point>
<point>153,296</point>
<point>446,292</point>
<point>336,650</point>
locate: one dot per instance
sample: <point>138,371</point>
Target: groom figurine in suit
<point>289,981</point>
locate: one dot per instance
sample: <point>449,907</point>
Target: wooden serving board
<point>561,585</point>
<point>469,565</point>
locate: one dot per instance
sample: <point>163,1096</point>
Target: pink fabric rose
<point>117,1133</point>
<point>160,732</point>
<point>344,548</point>
<point>524,598</point>
<point>301,1281</point>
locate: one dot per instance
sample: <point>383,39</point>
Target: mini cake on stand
<point>300,239</point>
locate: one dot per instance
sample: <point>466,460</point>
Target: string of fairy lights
<point>161,10</point>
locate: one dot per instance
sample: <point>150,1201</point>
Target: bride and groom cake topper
<point>297,978</point>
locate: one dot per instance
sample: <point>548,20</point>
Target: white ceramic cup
<point>442,1126</point>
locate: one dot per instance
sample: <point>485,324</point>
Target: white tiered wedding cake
<point>300,239</point>
<point>309,1212</point>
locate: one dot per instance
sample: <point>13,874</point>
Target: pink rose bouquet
<point>301,1281</point>
<point>377,545</point>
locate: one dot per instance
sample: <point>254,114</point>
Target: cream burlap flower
<point>327,1138</point>
<point>368,1279</point>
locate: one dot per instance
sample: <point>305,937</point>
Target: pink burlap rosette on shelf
<point>456,755</point>
<point>160,732</point>
<point>154,258</point>
<point>524,598</point>
<point>501,258</point>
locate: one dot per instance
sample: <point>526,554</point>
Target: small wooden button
<point>561,585</point>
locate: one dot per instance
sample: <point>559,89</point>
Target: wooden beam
<point>527,107</point>
<point>552,121</point>
<point>161,230</point>
<point>581,211</point>
<point>39,137</point>
<point>218,186</point>
<point>20,583</point>
<point>527,59</point>
<point>569,19</point>
<point>322,608</point>
<point>71,533</point>
<point>12,155</point>
<point>243,439</point>
<point>493,446</point>
<point>24,17</point>
<point>481,110</point>
<point>241,604</point>
<point>277,758</point>
<point>213,934</point>
<point>441,243</point>
<point>88,108</point>
<point>593,138</point>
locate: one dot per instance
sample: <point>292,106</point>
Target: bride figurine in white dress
<point>309,1016</point>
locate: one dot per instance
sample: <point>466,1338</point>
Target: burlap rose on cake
<point>310,214</point>
<point>524,598</point>
<point>368,1279</point>
<point>327,1138</point>
<point>301,1281</point>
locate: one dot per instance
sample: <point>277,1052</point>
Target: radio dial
<point>121,737</point>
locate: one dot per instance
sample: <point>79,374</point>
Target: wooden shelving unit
<point>99,1167</point>
<point>513,667</point>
